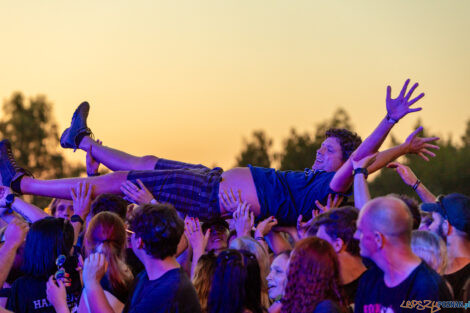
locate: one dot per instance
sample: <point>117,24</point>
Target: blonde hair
<point>431,248</point>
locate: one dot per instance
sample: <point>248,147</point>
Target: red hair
<point>313,277</point>
<point>106,233</point>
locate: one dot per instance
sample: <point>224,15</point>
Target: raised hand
<point>230,200</point>
<point>405,173</point>
<point>417,145</point>
<point>331,203</point>
<point>364,162</point>
<point>92,165</point>
<point>94,268</point>
<point>264,227</point>
<point>81,197</point>
<point>193,231</point>
<point>400,106</point>
<point>244,219</point>
<point>15,233</point>
<point>302,227</point>
<point>137,194</point>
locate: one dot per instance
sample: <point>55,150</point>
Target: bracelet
<point>361,170</point>
<point>415,186</point>
<point>390,119</point>
<point>260,238</point>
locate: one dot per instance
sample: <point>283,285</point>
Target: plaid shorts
<point>192,189</point>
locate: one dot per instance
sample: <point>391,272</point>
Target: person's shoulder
<point>329,306</point>
<point>427,282</point>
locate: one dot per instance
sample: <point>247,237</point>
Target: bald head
<point>389,216</point>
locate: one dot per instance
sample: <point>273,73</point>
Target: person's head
<point>431,248</point>
<point>231,283</point>
<point>451,216</point>
<point>61,208</point>
<point>336,149</point>
<point>253,246</point>
<point>111,203</point>
<point>313,276</point>
<point>338,226</point>
<point>157,231</point>
<point>413,206</point>
<point>278,275</point>
<point>106,234</point>
<point>384,224</point>
<point>218,239</point>
<point>202,280</point>
<point>46,240</point>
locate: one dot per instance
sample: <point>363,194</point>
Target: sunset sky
<point>187,80</point>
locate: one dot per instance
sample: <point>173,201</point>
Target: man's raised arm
<point>396,110</point>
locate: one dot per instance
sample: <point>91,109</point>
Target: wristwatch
<point>361,170</point>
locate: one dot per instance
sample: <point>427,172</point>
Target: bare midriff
<point>240,178</point>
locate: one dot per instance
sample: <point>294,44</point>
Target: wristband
<point>9,199</point>
<point>390,119</point>
<point>415,186</point>
<point>361,170</point>
<point>77,219</point>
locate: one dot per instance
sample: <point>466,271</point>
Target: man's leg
<point>60,188</point>
<point>117,160</point>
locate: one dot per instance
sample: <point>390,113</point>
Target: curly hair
<point>313,277</point>
<point>159,227</point>
<point>109,202</point>
<point>348,140</point>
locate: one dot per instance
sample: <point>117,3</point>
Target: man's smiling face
<point>329,156</point>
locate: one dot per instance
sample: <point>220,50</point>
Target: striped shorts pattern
<point>192,189</point>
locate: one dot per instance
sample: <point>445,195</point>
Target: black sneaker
<point>72,136</point>
<point>9,171</point>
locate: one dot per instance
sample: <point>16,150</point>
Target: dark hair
<point>109,202</point>
<point>339,223</point>
<point>313,276</point>
<point>231,292</point>
<point>348,140</point>
<point>413,206</point>
<point>46,240</point>
<point>159,227</point>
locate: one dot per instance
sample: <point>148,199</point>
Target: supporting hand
<point>140,195</point>
<point>230,200</point>
<point>417,145</point>
<point>81,197</point>
<point>92,165</point>
<point>196,238</point>
<point>244,220</point>
<point>331,203</point>
<point>265,226</point>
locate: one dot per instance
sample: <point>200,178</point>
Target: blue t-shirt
<point>287,194</point>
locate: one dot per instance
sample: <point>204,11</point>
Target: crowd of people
<point>156,235</point>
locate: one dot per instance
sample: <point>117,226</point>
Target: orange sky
<point>188,80</point>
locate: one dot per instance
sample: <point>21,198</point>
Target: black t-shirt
<point>351,289</point>
<point>327,306</point>
<point>28,294</point>
<point>457,280</point>
<point>373,296</point>
<point>173,292</point>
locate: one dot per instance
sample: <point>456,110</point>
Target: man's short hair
<point>348,140</point>
<point>159,227</point>
<point>339,223</point>
<point>107,202</point>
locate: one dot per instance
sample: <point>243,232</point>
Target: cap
<point>454,207</point>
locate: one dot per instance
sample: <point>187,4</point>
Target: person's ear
<point>338,245</point>
<point>379,239</point>
<point>447,229</point>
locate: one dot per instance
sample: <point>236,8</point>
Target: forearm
<point>385,157</point>
<point>97,299</point>
<point>7,257</point>
<point>424,194</point>
<point>28,211</point>
<point>361,191</point>
<point>343,177</point>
